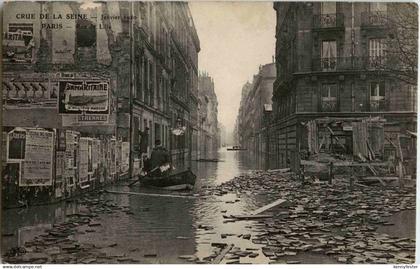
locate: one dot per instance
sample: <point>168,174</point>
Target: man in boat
<point>144,140</point>
<point>143,149</point>
<point>159,160</point>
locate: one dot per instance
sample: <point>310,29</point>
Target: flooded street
<point>170,229</point>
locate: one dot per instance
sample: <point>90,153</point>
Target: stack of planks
<point>360,140</point>
<point>313,137</point>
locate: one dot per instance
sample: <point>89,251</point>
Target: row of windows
<point>329,99</point>
<point>377,48</point>
<point>331,7</point>
<point>146,90</point>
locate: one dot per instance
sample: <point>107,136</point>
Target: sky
<point>235,39</point>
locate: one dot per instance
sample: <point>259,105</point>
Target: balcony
<point>328,64</point>
<point>378,105</point>
<point>376,62</point>
<point>329,21</point>
<point>374,19</point>
<point>349,63</point>
<point>329,105</point>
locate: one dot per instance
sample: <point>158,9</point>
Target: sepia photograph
<point>208,132</point>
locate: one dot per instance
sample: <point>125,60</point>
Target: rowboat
<point>178,181</point>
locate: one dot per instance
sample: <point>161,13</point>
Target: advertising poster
<point>90,159</point>
<point>102,161</point>
<point>39,153</point>
<point>16,141</point>
<point>71,157</point>
<point>29,90</point>
<point>18,43</point>
<point>84,159</point>
<point>112,157</point>
<point>125,156</point>
<point>59,165</point>
<point>61,140</point>
<point>11,174</point>
<point>118,156</point>
<point>96,144</point>
<point>90,97</point>
<point>71,149</point>
<point>84,102</point>
<point>4,147</point>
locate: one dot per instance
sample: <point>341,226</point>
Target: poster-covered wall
<point>33,150</point>
<point>60,163</point>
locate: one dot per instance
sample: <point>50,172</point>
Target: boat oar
<point>140,177</point>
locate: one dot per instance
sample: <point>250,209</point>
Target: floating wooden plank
<point>360,164</point>
<point>179,187</point>
<point>152,194</point>
<point>222,254</point>
<point>281,170</point>
<point>250,217</point>
<point>312,163</point>
<point>342,163</point>
<point>267,207</point>
<point>383,178</point>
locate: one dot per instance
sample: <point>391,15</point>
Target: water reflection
<point>160,227</point>
<point>23,224</point>
<point>163,228</point>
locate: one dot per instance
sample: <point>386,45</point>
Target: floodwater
<point>164,228</point>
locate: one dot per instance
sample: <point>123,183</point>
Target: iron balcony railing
<point>378,105</point>
<point>335,20</point>
<point>374,18</point>
<point>349,63</point>
<point>329,105</point>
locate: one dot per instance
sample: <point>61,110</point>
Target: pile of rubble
<point>336,220</point>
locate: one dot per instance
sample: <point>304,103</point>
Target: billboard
<point>83,97</point>
<point>84,102</point>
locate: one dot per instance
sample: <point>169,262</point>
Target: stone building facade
<point>164,75</point>
<point>332,66</point>
<point>82,82</point>
<point>60,80</point>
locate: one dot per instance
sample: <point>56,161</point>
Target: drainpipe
<point>352,56</point>
<point>130,134</point>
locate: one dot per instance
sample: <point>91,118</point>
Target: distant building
<point>254,109</point>
<point>208,140</point>
<point>224,140</point>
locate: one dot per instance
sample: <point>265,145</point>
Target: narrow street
<point>121,228</point>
